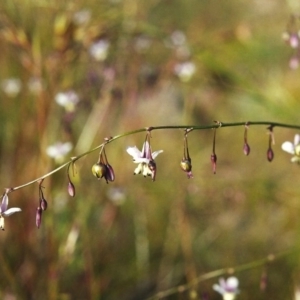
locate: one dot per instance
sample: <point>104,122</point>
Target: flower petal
<point>4,203</point>
<point>232,283</point>
<point>218,289</point>
<point>288,147</point>
<point>154,154</point>
<point>296,139</point>
<point>134,152</point>
<point>146,151</point>
<point>11,211</point>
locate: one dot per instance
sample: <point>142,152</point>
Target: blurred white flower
<point>4,212</point>
<point>227,288</point>
<point>11,86</point>
<point>116,195</point>
<point>35,85</point>
<point>185,70</point>
<point>142,43</point>
<point>178,38</point>
<point>293,148</point>
<point>58,151</point>
<point>99,50</point>
<point>82,17</point>
<point>67,99</point>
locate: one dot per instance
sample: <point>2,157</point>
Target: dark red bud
<point>213,159</point>
<point>270,154</point>
<point>152,167</point>
<point>71,189</point>
<point>38,217</point>
<point>246,149</point>
<point>110,174</point>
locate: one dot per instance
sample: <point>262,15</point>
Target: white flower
<point>4,212</point>
<point>145,159</point>
<point>58,151</point>
<point>11,86</point>
<point>185,70</point>
<point>67,99</point>
<point>227,288</point>
<point>293,148</point>
<point>99,50</point>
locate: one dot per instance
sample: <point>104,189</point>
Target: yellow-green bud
<point>99,170</point>
<point>186,165</point>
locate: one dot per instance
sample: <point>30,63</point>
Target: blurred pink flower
<point>227,288</point>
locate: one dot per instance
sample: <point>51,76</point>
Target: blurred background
<point>75,72</point>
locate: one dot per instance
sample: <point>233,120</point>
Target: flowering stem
<point>254,264</point>
<point>149,129</point>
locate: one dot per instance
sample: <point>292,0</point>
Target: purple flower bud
<point>43,203</point>
<point>152,168</point>
<point>38,217</point>
<point>71,189</point>
<point>110,174</point>
<point>246,149</point>
<point>270,154</point>
<point>213,159</point>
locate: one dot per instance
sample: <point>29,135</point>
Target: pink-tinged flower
<point>67,99</point>
<point>58,151</point>
<point>4,212</point>
<point>99,50</point>
<point>227,288</point>
<point>145,159</point>
<point>293,148</point>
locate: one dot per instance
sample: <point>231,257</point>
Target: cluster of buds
<point>102,168</point>
<point>42,206</point>
<point>186,162</point>
<point>144,158</point>
<point>292,38</point>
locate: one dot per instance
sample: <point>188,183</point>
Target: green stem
<point>254,264</point>
<point>217,124</point>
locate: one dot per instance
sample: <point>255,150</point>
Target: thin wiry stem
<point>217,124</point>
<point>251,265</point>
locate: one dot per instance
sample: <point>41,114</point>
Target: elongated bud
<point>110,174</point>
<point>246,149</point>
<point>43,203</point>
<point>270,154</point>
<point>99,170</point>
<point>71,189</point>
<point>152,168</point>
<point>38,217</point>
<point>213,159</point>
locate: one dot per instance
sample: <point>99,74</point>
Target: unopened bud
<point>38,217</point>
<point>270,154</point>
<point>186,165</point>
<point>213,159</point>
<point>99,170</point>
<point>43,203</point>
<point>246,149</point>
<point>110,174</point>
<point>71,189</point>
<point>152,168</point>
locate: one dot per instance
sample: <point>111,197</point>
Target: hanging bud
<point>43,203</point>
<point>110,174</point>
<point>152,168</point>
<point>263,281</point>
<point>270,154</point>
<point>186,166</point>
<point>99,170</point>
<point>213,159</point>
<point>246,149</point>
<point>38,217</point>
<point>71,189</point>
